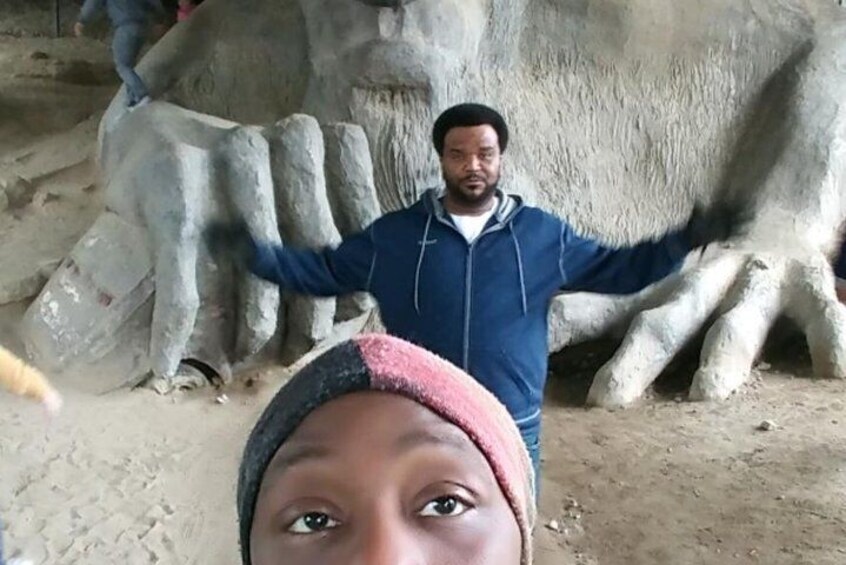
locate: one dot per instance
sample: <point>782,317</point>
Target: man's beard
<point>469,199</point>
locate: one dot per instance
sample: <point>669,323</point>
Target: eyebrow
<point>291,455</point>
<point>418,438</point>
<point>295,454</point>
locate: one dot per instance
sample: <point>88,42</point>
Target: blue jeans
<point>530,430</point>
<point>126,46</point>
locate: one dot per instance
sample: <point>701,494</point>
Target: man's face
<point>471,164</point>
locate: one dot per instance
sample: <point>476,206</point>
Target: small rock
<point>161,385</point>
<point>764,366</point>
<point>19,191</point>
<point>780,497</point>
<point>42,198</point>
<point>38,55</point>
<point>767,426</point>
<point>222,399</point>
<point>554,526</point>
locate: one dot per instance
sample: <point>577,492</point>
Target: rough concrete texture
<point>81,315</point>
<point>243,162</point>
<point>305,217</point>
<point>352,194</point>
<point>622,114</point>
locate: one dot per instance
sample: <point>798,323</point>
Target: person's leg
<point>126,46</point>
<point>530,431</point>
<point>840,289</point>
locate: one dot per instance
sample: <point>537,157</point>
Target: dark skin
<point>377,479</point>
<point>471,164</point>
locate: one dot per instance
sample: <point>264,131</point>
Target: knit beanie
<point>381,363</point>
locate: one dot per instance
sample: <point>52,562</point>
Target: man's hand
<point>719,223</point>
<point>231,241</point>
<point>79,29</point>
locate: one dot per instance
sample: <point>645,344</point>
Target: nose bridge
<point>473,162</point>
<point>388,540</point>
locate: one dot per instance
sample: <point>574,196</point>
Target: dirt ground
<point>132,477</point>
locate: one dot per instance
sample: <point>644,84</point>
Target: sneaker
<point>141,103</point>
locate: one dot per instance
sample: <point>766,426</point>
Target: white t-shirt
<point>471,226</point>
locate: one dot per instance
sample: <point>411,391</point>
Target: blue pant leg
<point>531,437</point>
<point>126,46</point>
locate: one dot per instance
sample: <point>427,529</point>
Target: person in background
<point>381,452</point>
<point>22,379</point>
<point>469,272</point>
<point>130,21</point>
<point>840,274</point>
<point>185,9</point>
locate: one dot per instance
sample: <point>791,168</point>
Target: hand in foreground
<point>52,402</point>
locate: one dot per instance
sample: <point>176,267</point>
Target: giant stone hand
<point>143,267</point>
<point>789,155</point>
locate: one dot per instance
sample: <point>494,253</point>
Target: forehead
<point>380,421</point>
<point>471,137</point>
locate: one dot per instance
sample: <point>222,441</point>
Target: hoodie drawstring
<point>519,268</point>
<point>420,264</point>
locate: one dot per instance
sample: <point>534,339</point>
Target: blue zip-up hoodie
<point>481,305</point>
<point>122,12</point>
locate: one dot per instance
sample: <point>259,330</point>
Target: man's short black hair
<point>468,115</point>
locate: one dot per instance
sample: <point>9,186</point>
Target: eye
<point>444,507</point>
<point>313,523</point>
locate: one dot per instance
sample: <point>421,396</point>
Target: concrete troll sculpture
<point>624,113</point>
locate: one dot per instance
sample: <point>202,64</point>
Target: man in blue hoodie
<point>469,272</point>
<point>130,21</point>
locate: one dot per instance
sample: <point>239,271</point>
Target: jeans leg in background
<point>126,46</point>
<point>530,431</point>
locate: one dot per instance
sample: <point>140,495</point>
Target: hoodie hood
<point>509,205</point>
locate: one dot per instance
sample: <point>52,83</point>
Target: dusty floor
<point>132,477</point>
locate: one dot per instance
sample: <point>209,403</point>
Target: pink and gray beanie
<point>386,364</point>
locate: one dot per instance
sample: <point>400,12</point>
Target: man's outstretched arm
<point>586,265</point>
<point>327,272</point>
